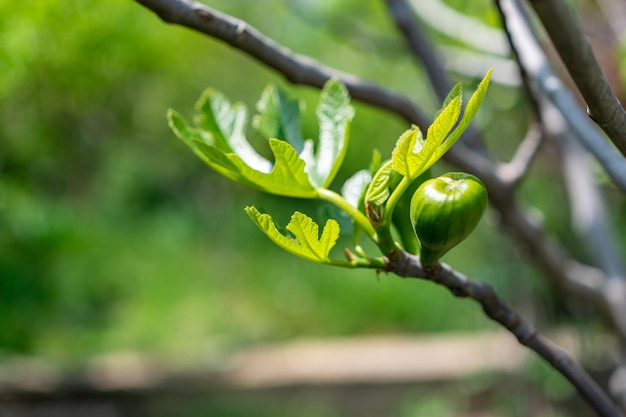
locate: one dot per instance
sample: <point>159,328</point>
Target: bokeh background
<point>114,237</point>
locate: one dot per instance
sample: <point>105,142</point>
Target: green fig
<point>444,211</point>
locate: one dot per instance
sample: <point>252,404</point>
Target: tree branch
<point>552,258</point>
<point>409,266</point>
<point>517,169</point>
<point>297,69</point>
<point>575,51</point>
<point>543,81</point>
<point>607,289</point>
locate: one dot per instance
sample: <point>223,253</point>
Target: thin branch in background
<point>297,69</point>
<point>573,47</point>
<point>409,266</point>
<point>420,47</point>
<point>588,213</point>
<point>542,79</point>
<point>592,284</point>
<point>517,169</point>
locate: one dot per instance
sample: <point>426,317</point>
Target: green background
<point>114,237</point>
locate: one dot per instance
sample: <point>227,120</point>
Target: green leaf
<point>470,111</point>
<point>457,91</point>
<point>198,140</point>
<point>413,155</point>
<point>334,115</point>
<point>227,124</point>
<point>405,157</point>
<point>380,188</point>
<point>279,117</point>
<point>220,143</point>
<point>306,241</point>
<point>287,177</point>
<point>438,131</point>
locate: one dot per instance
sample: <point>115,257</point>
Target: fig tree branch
<point>575,51</point>
<point>547,253</point>
<point>297,69</point>
<point>409,266</point>
<point>603,289</point>
<point>543,80</point>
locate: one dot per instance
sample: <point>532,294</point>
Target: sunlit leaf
<point>286,178</point>
<point>198,140</point>
<point>404,157</point>
<point>438,131</point>
<point>470,111</point>
<point>380,188</point>
<point>306,241</point>
<point>334,115</point>
<point>227,124</point>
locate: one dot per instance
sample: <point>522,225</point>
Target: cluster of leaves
<point>304,169</point>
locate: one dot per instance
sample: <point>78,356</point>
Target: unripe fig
<point>444,211</point>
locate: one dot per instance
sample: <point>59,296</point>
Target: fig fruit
<point>444,211</point>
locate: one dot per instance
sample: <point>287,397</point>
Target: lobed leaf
<point>306,241</point>
<point>286,178</point>
<point>227,124</point>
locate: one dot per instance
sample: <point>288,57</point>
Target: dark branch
<point>543,82</point>
<point>403,17</point>
<point>575,51</point>
<point>298,69</point>
<point>408,266</point>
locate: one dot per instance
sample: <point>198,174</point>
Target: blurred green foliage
<point>109,236</point>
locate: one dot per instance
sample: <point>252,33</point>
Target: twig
<point>517,169</point>
<point>607,289</point>
<point>408,266</point>
<point>575,51</point>
<point>542,79</point>
<point>589,221</point>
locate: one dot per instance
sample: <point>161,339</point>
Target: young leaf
<point>379,189</point>
<point>198,140</point>
<point>444,122</point>
<point>287,177</point>
<point>457,91</point>
<point>227,124</point>
<point>306,242</point>
<point>279,117</point>
<point>470,111</point>
<point>334,115</point>
<point>405,157</point>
